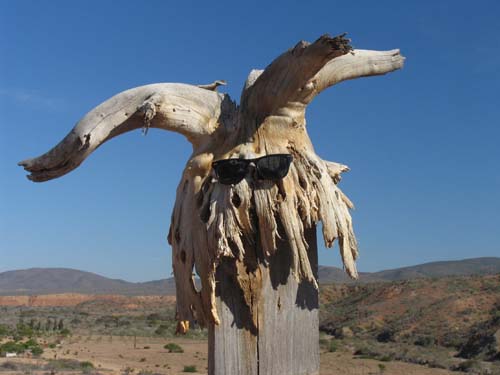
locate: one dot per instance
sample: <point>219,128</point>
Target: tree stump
<point>252,242</point>
<point>278,332</point>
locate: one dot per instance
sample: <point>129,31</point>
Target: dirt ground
<point>343,363</point>
<point>117,355</point>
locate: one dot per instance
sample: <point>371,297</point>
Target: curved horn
<point>355,64</point>
<point>186,109</point>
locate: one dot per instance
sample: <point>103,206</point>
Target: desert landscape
<point>427,319</point>
<point>117,355</point>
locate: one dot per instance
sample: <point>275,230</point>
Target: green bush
<point>4,330</point>
<point>21,347</point>
<point>333,346</point>
<point>425,341</point>
<point>12,347</point>
<point>189,369</point>
<point>86,365</point>
<point>24,330</point>
<point>65,332</point>
<point>36,351</point>
<point>173,348</point>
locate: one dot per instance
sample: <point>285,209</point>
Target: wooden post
<point>285,338</point>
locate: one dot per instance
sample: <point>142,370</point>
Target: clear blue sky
<point>422,143</point>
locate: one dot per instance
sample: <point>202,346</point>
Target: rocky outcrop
<point>75,299</point>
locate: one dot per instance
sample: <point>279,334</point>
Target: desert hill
<point>394,319</point>
<point>37,281</point>
<point>465,267</point>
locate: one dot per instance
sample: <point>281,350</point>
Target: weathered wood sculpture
<point>253,244</point>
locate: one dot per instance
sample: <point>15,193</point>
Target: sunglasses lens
<point>274,167</point>
<point>231,171</point>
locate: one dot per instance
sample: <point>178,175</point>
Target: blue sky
<point>422,143</point>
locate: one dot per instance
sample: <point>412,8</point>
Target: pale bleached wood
<point>181,108</point>
<point>356,64</point>
<point>232,235</point>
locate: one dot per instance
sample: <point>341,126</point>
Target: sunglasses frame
<point>247,162</point>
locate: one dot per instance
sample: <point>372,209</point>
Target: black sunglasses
<point>269,167</point>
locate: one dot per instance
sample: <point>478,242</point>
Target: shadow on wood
<point>271,327</point>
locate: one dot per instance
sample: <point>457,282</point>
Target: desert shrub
<point>123,322</point>
<point>12,347</point>
<point>386,358</point>
<point>173,348</point>
<point>385,336</point>
<point>20,367</point>
<point>333,346</point>
<point>52,345</point>
<point>436,364</point>
<point>153,317</point>
<point>425,341</point>
<point>37,351</point>
<point>189,369</point>
<point>147,347</point>
<point>108,321</point>
<point>453,339</point>
<point>8,366</point>
<point>324,343</point>
<point>86,365</point>
<point>368,350</point>
<point>65,332</point>
<point>468,366</point>
<point>34,347</point>
<point>381,367</point>
<point>16,336</point>
<point>142,360</point>
<point>68,364</point>
<point>162,330</point>
<point>4,330</point>
<point>23,330</point>
<point>364,351</point>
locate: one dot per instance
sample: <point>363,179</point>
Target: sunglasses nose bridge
<point>252,169</point>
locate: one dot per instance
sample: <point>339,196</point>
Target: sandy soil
<point>117,355</point>
<point>343,363</point>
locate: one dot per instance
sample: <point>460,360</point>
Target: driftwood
<point>251,243</point>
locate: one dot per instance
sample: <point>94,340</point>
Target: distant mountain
<point>474,266</point>
<point>63,280</point>
<point>36,281</point>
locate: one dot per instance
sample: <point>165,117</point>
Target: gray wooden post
<point>278,334</point>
